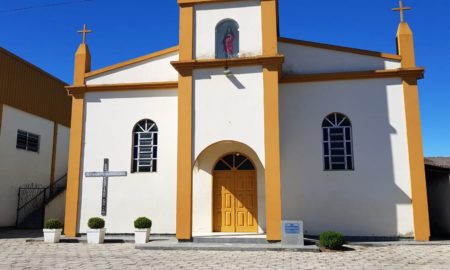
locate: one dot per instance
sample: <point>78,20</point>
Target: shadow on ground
<point>12,233</point>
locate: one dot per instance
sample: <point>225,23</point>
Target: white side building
<point>34,134</point>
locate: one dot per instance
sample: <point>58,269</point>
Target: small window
<point>145,146</point>
<point>227,39</point>
<point>27,141</point>
<point>337,143</point>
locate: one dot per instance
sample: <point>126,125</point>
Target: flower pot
<point>52,235</point>
<point>96,236</point>
<point>141,236</point>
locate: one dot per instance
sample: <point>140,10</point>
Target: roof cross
<point>84,32</point>
<point>402,10</point>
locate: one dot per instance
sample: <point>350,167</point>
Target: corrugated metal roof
<point>30,89</point>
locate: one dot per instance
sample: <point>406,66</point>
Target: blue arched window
<point>337,143</point>
<point>227,39</point>
<point>145,146</point>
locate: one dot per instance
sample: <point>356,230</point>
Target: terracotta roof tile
<point>440,162</point>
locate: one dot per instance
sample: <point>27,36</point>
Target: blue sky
<point>125,29</point>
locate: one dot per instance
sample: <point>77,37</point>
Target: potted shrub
<point>331,241</point>
<point>96,234</point>
<point>142,227</point>
<point>52,231</point>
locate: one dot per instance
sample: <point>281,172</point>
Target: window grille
<point>27,141</point>
<point>337,143</point>
<point>145,146</point>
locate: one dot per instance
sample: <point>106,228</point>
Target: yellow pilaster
<point>184,168</point>
<point>271,122</point>
<point>405,45</point>
<point>82,66</point>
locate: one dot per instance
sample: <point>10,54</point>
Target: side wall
<point>62,152</point>
<point>110,119</point>
<point>375,198</point>
<point>307,60</point>
<point>18,166</point>
<point>56,208</point>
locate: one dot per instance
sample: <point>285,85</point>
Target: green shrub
<point>332,240</point>
<point>53,224</point>
<point>96,223</point>
<point>142,223</point>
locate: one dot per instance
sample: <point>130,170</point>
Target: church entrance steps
<point>231,238</point>
<point>172,244</point>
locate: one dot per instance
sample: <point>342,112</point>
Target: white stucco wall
<point>110,118</point>
<point>158,69</point>
<point>203,184</point>
<point>375,198</point>
<point>18,166</point>
<point>229,108</point>
<point>56,208</point>
<point>305,60</point>
<point>62,151</point>
<point>246,13</point>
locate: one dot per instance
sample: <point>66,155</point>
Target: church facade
<point>236,129</point>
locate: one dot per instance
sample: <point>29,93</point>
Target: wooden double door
<point>235,193</point>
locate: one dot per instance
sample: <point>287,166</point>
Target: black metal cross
<point>105,174</point>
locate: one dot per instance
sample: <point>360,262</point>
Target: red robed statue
<point>228,43</point>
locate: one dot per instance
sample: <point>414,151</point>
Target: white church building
<point>237,129</point>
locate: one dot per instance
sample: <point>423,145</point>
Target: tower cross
<point>85,31</point>
<point>402,9</point>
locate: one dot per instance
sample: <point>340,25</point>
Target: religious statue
<point>228,43</point>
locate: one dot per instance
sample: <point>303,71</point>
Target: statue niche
<point>227,39</point>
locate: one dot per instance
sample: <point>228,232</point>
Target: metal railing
<point>32,199</point>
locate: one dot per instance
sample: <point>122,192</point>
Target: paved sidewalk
<point>18,254</point>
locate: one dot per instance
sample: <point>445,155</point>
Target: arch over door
<point>235,195</point>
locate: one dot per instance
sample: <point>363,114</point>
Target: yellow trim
<point>54,148</point>
<point>74,166</point>
<point>133,61</point>
<point>405,45</point>
<point>82,65</point>
<point>184,3</point>
<point>189,65</point>
<point>269,27</point>
<point>271,74</point>
<point>417,73</point>
<point>416,161</point>
<point>184,167</point>
<point>340,48</point>
<point>122,87</point>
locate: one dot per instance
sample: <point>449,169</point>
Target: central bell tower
<point>228,49</point>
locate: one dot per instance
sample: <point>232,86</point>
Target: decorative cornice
<point>270,62</point>
<point>193,2</point>
<point>132,61</point>
<point>73,90</point>
<point>405,73</point>
<point>340,48</point>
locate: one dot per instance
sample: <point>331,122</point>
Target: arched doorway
<point>235,195</point>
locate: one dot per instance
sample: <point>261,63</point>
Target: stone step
<point>230,240</point>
